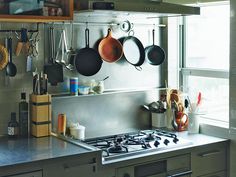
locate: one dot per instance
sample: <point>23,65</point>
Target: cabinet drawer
<point>31,174</point>
<point>219,174</point>
<point>208,160</point>
<point>179,162</point>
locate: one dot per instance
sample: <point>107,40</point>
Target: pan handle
<point>153,36</point>
<point>87,37</point>
<point>139,68</point>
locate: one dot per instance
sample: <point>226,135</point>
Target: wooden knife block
<point>40,115</point>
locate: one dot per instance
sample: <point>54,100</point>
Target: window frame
<point>185,71</point>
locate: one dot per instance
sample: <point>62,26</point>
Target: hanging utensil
<point>11,69</point>
<point>71,52</point>
<point>154,54</point>
<point>134,51</point>
<point>110,49</point>
<point>88,61</point>
<point>63,52</point>
<point>53,70</point>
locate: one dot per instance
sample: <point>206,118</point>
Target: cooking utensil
<point>154,54</point>
<point>110,49</point>
<point>71,52</point>
<point>180,123</point>
<point>11,69</point>
<point>87,62</point>
<point>53,70</point>
<point>4,57</point>
<point>133,51</point>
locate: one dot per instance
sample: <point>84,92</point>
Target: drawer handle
<point>210,153</point>
<point>181,174</point>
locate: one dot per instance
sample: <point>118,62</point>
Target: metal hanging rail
<point>104,24</point>
<point>13,31</point>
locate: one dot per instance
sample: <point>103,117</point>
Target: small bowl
<point>83,90</point>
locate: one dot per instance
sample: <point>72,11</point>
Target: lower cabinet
<point>30,174</point>
<point>210,161</point>
<point>71,168</point>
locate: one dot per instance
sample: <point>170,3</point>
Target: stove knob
<point>175,140</point>
<point>126,175</point>
<point>166,141</point>
<point>156,143</point>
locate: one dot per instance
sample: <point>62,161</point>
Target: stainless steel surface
<point>111,113</point>
<point>17,151</point>
<point>119,146</point>
<point>145,8</point>
<point>10,94</point>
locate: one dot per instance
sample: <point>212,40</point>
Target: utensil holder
<point>193,125</point>
<point>159,120</point>
<point>40,115</point>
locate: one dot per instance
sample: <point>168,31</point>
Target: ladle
<point>71,52</point>
<point>11,67</point>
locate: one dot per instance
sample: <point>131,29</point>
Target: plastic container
<point>193,124</point>
<point>78,132</point>
<point>83,90</point>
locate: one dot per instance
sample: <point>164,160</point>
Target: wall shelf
<point>106,92</point>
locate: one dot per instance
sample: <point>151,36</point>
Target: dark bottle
<point>13,126</point>
<point>23,116</point>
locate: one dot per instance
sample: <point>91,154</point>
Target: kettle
<point>180,122</point>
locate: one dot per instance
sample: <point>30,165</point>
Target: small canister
<point>74,85</point>
<point>61,124</point>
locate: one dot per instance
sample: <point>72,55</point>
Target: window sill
<point>213,129</point>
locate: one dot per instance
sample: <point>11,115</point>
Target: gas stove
<point>124,145</point>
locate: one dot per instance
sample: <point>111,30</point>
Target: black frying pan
<point>134,51</point>
<point>154,54</point>
<point>87,60</point>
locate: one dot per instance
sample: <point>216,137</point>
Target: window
<point>204,61</point>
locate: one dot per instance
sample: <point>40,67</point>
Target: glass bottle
<point>13,126</point>
<point>23,116</point>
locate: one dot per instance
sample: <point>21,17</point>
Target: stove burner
<point>150,137</point>
<point>117,149</point>
<point>130,143</point>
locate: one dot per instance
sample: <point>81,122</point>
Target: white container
<point>83,90</point>
<point>193,124</point>
<point>78,132</point>
<point>159,120</point>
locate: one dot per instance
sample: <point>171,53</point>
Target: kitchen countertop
<point>18,151</point>
<point>24,150</point>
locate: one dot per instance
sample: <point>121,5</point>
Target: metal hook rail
<point>16,31</point>
<point>104,24</point>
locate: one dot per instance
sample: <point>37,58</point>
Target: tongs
<point>62,48</point>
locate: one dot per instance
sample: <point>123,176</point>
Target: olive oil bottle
<point>23,116</point>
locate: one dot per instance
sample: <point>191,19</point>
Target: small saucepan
<point>110,49</point>
<point>134,52</point>
<point>154,54</point>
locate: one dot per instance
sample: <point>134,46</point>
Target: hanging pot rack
<point>16,31</point>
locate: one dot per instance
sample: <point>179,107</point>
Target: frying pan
<point>134,52</point>
<point>110,49</point>
<point>154,54</point>
<point>87,60</point>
